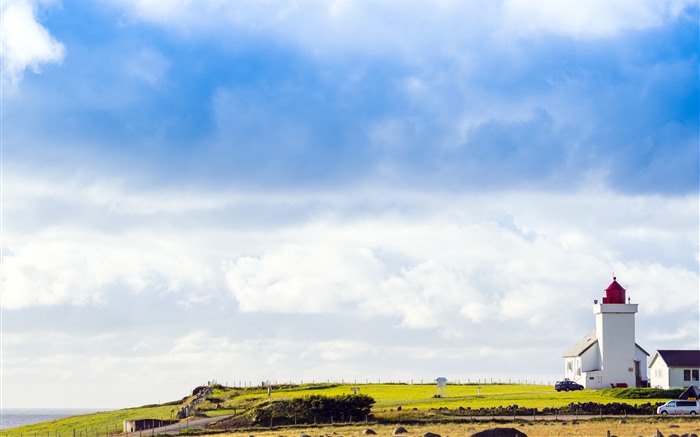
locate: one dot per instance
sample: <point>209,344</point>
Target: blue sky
<point>309,190</point>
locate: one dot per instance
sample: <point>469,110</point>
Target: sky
<point>338,190</point>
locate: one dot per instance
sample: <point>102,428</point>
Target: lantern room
<point>614,293</point>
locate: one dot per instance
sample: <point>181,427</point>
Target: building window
<point>687,374</point>
<point>569,366</point>
<point>696,374</point>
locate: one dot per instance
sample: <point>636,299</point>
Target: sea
<point>14,417</point>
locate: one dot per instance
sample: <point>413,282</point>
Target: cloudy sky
<point>337,190</point>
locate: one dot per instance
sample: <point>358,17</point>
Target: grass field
<point>101,423</point>
<point>420,396</point>
<point>388,398</point>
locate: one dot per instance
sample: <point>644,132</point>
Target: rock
<point>369,431</point>
<point>673,435</point>
<point>658,433</point>
<point>674,426</point>
<point>431,434</point>
<point>623,421</point>
<point>399,430</point>
<point>499,432</point>
<point>304,435</point>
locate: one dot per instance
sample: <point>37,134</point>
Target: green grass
<point>90,424</point>
<point>420,396</point>
<point>388,397</point>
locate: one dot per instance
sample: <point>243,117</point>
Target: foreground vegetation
<point>584,428</point>
<point>393,403</point>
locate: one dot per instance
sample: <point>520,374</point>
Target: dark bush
<point>585,408</point>
<point>644,393</point>
<point>313,408</point>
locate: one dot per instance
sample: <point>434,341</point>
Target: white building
<point>608,356</point>
<point>675,368</point>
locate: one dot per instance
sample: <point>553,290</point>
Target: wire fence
<point>367,381</point>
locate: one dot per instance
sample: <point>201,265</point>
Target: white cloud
<point>81,267</point>
<point>405,28</point>
<point>25,42</point>
<point>586,20</point>
<point>428,261</point>
<point>446,267</point>
<point>305,277</point>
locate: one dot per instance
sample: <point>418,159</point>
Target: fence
<point>468,381</point>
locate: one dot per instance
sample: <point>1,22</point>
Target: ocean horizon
<point>14,417</point>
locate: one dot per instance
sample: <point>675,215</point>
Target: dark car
<point>567,385</point>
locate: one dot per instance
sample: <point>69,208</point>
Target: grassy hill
<point>388,397</point>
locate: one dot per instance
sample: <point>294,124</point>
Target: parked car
<point>679,406</point>
<point>567,385</point>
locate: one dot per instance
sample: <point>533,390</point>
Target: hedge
<point>312,409</point>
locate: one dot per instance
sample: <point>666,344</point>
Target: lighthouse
<point>608,356</point>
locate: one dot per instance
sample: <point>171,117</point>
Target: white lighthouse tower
<point>609,356</point>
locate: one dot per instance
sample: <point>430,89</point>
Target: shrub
<point>644,393</point>
<point>590,408</point>
<point>312,408</point>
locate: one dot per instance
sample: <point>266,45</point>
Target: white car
<point>679,406</point>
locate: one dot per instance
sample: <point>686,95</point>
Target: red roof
<point>614,286</point>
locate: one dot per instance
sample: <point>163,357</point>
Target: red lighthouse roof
<point>614,293</point>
